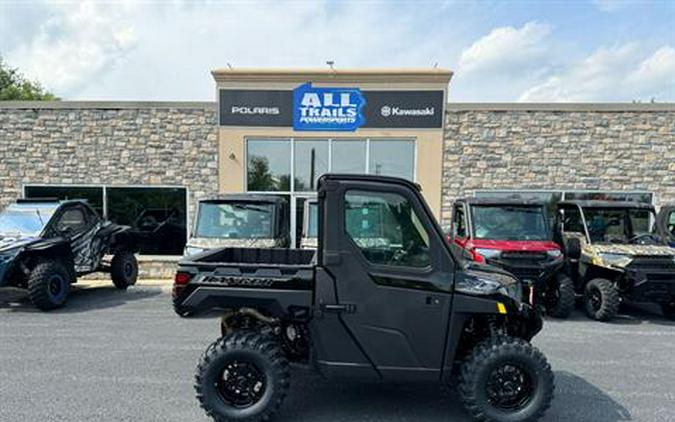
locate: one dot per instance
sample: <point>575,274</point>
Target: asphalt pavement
<point>125,356</point>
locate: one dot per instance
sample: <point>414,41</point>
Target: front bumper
<point>650,280</point>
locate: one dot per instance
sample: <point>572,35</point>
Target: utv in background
<point>260,221</point>
<point>665,223</point>
<point>613,252</point>
<point>514,234</point>
<point>46,244</point>
<point>382,298</point>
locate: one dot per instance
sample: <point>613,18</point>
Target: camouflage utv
<point>243,221</point>
<point>613,253</point>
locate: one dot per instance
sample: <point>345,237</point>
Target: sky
<point>499,51</point>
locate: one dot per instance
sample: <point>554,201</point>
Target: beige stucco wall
<point>429,165</point>
<point>429,142</point>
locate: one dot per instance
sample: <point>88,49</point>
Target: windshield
<point>235,220</point>
<point>313,220</point>
<point>612,225</point>
<point>19,220</point>
<point>509,222</point>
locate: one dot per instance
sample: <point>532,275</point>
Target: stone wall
<point>110,143</point>
<point>106,143</point>
<point>595,147</point>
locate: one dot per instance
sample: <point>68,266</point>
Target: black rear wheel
<point>601,299</point>
<point>243,376</point>
<point>506,380</point>
<point>124,269</point>
<point>49,284</point>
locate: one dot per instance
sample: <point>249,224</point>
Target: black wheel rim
<point>56,286</point>
<point>241,384</point>
<point>595,299</point>
<point>509,388</point>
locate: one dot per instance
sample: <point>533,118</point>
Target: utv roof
<point>369,178</point>
<point>594,203</point>
<point>501,201</point>
<point>245,197</point>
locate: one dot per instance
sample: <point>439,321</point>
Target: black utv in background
<point>383,298</point>
<point>45,245</point>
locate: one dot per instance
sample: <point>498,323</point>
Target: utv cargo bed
<point>218,279</point>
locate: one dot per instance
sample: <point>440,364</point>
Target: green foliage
<point>15,87</point>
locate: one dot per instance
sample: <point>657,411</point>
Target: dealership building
<point>277,131</point>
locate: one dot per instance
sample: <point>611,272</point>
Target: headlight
<point>554,253</point>
<point>488,253</point>
<point>615,259</point>
<point>486,286</point>
<point>191,250</point>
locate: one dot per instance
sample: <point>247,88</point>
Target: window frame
<point>104,187</point>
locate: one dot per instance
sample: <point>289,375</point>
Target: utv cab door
<point>665,223</point>
<point>393,275</point>
<point>77,224</point>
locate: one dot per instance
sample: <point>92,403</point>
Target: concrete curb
<point>165,284</point>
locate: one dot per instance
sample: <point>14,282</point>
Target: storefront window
<point>268,166</point>
<point>348,156</point>
<point>311,161</point>
<point>392,158</point>
<point>157,215</point>
<point>93,195</point>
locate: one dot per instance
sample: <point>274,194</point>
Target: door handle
<point>432,301</point>
<point>347,308</point>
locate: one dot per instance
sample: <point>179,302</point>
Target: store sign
<point>252,107</point>
<point>334,109</point>
<point>309,108</point>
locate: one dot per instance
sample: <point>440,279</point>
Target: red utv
<point>514,234</point>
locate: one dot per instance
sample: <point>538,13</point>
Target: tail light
<point>181,279</point>
<point>179,282</point>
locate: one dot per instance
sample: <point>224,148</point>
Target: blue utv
<point>46,244</point>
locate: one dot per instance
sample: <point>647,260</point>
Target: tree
<point>259,176</point>
<point>15,86</point>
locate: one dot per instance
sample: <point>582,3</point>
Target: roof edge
<point>600,107</point>
<point>107,105</point>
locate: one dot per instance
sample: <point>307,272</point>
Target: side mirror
<point>573,248</point>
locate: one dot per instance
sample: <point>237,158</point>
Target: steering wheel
<point>636,239</point>
<point>399,254</point>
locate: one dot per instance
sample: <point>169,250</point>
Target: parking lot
<point>125,356</point>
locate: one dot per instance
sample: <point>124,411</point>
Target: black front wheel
<point>601,299</point>
<point>124,269</point>
<point>242,376</point>
<point>49,284</point>
<point>506,379</point>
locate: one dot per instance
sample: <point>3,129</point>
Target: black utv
<point>382,298</point>
<point>46,244</point>
<point>614,252</point>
